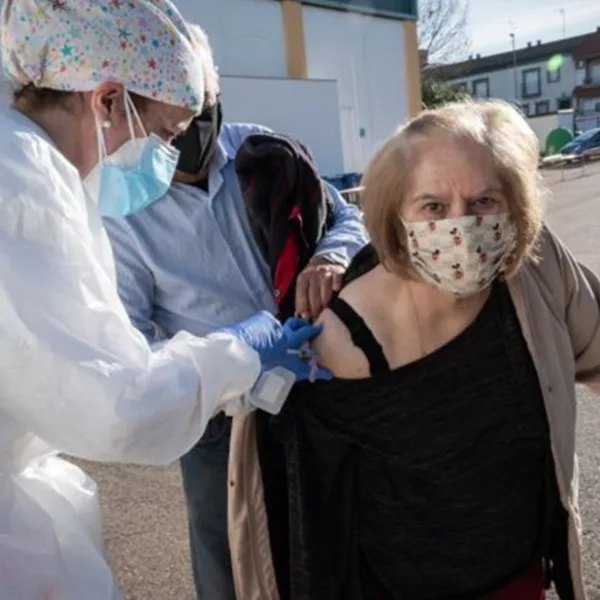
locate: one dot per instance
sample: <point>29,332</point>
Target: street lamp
<point>514,52</point>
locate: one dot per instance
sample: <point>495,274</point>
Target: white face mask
<point>463,255</point>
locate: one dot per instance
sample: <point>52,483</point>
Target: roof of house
<point>530,54</point>
<point>588,48</point>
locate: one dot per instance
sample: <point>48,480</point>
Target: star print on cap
<point>74,45</point>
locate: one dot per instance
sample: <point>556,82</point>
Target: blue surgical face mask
<point>134,176</point>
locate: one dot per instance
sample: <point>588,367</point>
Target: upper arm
<point>344,211</point>
<point>336,350</point>
<point>581,299</point>
<point>339,203</point>
<point>583,321</point>
<point>346,234</point>
<point>62,319</point>
<point>73,369</point>
<point>135,279</point>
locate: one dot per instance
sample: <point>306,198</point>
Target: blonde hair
<point>496,127</point>
<point>211,73</point>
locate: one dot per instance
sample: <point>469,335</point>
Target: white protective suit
<point>76,377</point>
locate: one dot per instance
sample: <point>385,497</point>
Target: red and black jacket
<point>289,211</point>
<point>287,205</point>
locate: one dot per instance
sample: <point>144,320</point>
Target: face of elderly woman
<point>452,178</point>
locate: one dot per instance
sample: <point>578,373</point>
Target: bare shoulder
<point>336,350</point>
<point>335,347</point>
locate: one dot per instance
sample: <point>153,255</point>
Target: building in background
<point>338,74</point>
<point>541,78</point>
<point>587,83</point>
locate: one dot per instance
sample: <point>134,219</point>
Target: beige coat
<point>557,303</point>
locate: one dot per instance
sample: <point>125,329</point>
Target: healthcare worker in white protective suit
<point>102,87</point>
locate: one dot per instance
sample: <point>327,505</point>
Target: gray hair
<point>211,73</point>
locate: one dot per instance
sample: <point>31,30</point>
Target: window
<point>461,86</point>
<point>481,88</point>
<point>531,83</point>
<point>525,108</point>
<point>553,76</point>
<point>588,106</point>
<point>593,71</point>
<point>564,103</point>
<point>542,107</point>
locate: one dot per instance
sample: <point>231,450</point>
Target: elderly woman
<point>440,463</point>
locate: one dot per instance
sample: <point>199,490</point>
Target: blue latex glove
<point>279,345</point>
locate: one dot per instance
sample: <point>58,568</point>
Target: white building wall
<point>365,55</point>
<point>246,35</point>
<point>502,83</point>
<point>307,110</point>
<point>248,43</point>
<point>543,125</point>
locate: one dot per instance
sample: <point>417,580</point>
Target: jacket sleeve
<point>135,280</point>
<point>346,236</point>
<point>233,135</point>
<point>582,314</point>
<point>74,370</point>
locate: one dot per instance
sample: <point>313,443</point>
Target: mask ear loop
<point>129,109</point>
<point>171,152</point>
<point>100,142</point>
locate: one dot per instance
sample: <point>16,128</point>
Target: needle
<point>305,352</point>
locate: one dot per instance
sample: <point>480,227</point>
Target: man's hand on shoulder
<point>315,287</point>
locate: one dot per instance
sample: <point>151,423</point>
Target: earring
<point>105,124</point>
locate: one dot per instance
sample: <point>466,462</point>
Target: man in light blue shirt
<point>190,262</point>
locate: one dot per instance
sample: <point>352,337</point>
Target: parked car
<point>585,145</point>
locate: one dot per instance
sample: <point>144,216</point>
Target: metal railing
<point>564,162</point>
<point>353,195</point>
<point>583,120</point>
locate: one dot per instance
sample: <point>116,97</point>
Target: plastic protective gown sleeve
<point>73,369</point>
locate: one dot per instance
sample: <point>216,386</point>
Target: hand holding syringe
<point>308,355</point>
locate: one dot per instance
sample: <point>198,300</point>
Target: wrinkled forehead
<point>442,163</point>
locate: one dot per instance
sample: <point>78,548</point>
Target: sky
<point>489,22</point>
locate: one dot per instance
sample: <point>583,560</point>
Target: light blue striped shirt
<point>190,262</point>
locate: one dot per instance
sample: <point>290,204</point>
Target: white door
<point>350,140</point>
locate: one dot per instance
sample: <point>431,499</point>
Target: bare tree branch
<point>443,29</point>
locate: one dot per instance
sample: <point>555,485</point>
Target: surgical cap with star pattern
<point>74,45</point>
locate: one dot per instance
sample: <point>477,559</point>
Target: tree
<point>443,29</point>
<point>435,92</point>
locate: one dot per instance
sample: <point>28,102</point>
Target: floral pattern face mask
<point>461,255</point>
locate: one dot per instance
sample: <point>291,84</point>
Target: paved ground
<point>145,521</point>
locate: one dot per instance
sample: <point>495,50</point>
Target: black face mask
<point>198,143</point>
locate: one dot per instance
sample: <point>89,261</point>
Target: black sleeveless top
<point>425,482</point>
